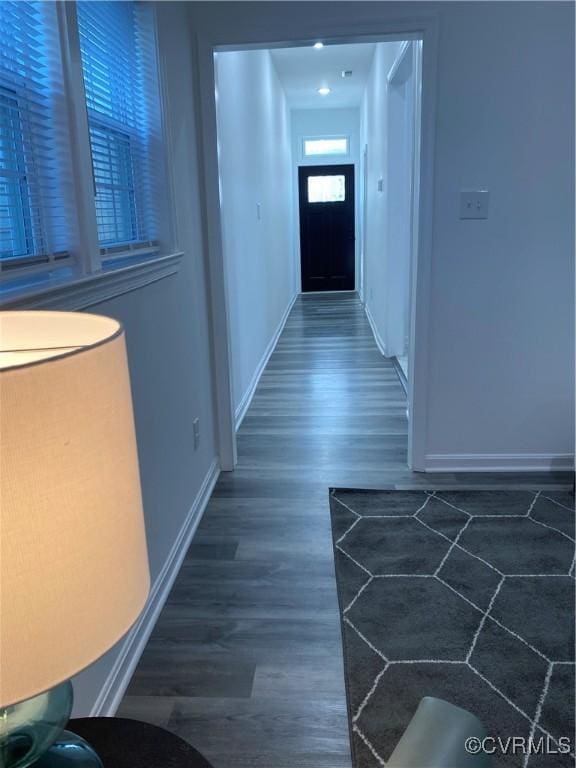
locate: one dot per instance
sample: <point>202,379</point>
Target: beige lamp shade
<point>73,561</point>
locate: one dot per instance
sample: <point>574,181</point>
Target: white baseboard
<point>499,462</point>
<point>112,691</point>
<point>379,342</point>
<point>402,376</point>
<point>244,404</point>
<point>327,293</point>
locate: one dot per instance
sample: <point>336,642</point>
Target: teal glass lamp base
<point>69,751</point>
<point>32,733</point>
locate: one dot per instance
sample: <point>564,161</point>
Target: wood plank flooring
<point>246,660</point>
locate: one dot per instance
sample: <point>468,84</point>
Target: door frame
<point>210,41</point>
<point>350,158</point>
<point>363,219</point>
<point>335,168</point>
<point>411,54</point>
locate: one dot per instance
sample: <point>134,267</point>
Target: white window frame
<point>98,272</point>
<point>319,137</point>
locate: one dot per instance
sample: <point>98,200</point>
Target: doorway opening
<point>323,241</point>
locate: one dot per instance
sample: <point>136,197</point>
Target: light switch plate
<point>474,203</point>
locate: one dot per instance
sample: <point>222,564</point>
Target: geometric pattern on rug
<point>463,595</point>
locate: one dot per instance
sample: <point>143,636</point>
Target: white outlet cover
<point>474,203</point>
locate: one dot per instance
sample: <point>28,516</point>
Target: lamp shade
<point>73,561</point>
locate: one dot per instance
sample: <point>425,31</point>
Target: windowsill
<point>78,293</point>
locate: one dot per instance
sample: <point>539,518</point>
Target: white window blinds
<point>118,60</point>
<point>35,177</point>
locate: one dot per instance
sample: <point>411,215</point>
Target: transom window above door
<point>333,145</point>
<point>326,189</point>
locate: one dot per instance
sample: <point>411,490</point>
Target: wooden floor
<point>245,661</point>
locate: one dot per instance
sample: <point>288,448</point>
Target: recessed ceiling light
<point>318,45</point>
<point>324,91</point>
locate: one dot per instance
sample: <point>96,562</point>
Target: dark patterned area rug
<point>463,595</point>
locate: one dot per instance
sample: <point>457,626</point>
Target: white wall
<point>500,373</point>
<point>255,169</point>
<point>502,332</point>
<point>167,331</point>
<point>326,122</point>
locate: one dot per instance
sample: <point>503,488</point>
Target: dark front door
<point>326,195</point>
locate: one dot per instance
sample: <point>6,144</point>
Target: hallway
<point>245,661</point>
<point>247,649</point>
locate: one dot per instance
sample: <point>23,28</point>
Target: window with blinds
<point>118,61</point>
<point>35,173</point>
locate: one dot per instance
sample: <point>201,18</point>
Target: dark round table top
<point>123,743</point>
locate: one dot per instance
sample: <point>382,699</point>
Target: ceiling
<point>303,70</point>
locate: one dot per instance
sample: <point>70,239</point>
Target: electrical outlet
<point>196,429</point>
<point>474,203</point>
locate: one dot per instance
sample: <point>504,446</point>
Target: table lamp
<point>73,561</point>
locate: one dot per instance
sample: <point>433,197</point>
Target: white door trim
<point>216,274</point>
<point>363,215</point>
<point>410,57</point>
<point>422,28</point>
<point>421,275</point>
